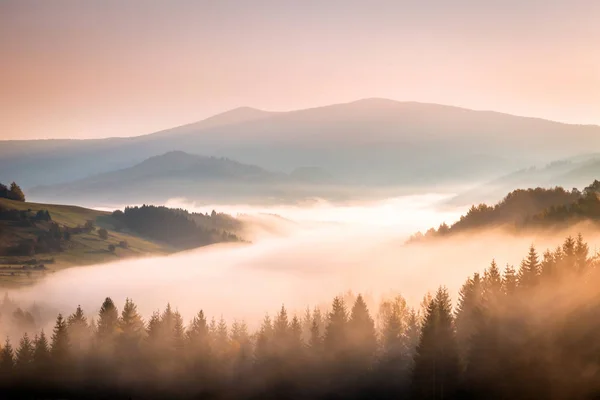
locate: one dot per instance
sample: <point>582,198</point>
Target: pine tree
<point>24,358</point>
<point>132,328</point>
<point>15,192</point>
<point>198,335</point>
<point>280,332</point>
<point>59,350</point>
<point>79,331</point>
<point>107,326</point>
<point>436,366</point>
<point>7,360</point>
<point>242,348</point>
<point>469,300</point>
<point>315,343</point>
<point>581,254</point>
<point>483,357</point>
<point>178,333</point>
<point>392,336</point>
<point>318,318</point>
<point>336,335</point>
<point>239,333</point>
<point>153,329</point>
<point>412,334</point>
<point>548,266</point>
<point>295,335</point>
<point>307,321</point>
<point>492,285</point>
<point>263,349</point>
<point>529,271</point>
<point>569,259</point>
<point>361,332</point>
<point>509,280</point>
<point>41,352</point>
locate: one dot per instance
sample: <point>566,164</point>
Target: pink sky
<point>112,68</point>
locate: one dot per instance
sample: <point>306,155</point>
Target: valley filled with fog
<point>298,256</point>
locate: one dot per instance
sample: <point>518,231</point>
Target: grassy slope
<point>84,249</point>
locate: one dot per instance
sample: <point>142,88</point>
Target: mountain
<point>180,174</point>
<point>371,141</point>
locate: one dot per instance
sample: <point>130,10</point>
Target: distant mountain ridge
<point>569,173</point>
<point>370,142</point>
<point>177,173</point>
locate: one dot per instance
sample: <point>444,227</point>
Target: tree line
<point>526,208</point>
<point>174,226</point>
<point>14,192</point>
<point>524,333</point>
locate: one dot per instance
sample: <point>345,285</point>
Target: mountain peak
<point>234,116</point>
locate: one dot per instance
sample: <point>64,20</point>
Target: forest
<point>177,227</point>
<point>529,332</point>
<point>527,209</point>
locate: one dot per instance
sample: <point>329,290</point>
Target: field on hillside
<point>81,249</point>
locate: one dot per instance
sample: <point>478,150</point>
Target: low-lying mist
<point>302,257</point>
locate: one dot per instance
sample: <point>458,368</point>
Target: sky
<point>88,69</point>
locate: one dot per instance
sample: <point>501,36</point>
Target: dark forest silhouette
<point>14,192</point>
<point>177,226</point>
<point>529,333</point>
<point>525,209</point>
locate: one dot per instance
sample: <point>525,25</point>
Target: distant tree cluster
<point>520,208</point>
<point>586,207</point>
<point>174,226</point>
<point>529,333</point>
<point>12,193</point>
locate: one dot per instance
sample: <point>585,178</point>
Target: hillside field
<point>81,249</point>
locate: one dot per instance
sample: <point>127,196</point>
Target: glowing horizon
<point>106,69</point>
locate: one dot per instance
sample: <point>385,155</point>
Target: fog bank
<point>321,251</point>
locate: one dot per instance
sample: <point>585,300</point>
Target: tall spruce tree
<point>509,280</point>
<point>79,332</point>
<point>436,366</point>
<point>548,266</point>
<point>281,328</point>
<point>263,352</point>
<point>7,359</point>
<point>107,326</point>
<point>60,348</point>
<point>197,334</point>
<point>41,352</point>
<point>178,333</point>
<point>132,329</point>
<point>581,254</point>
<point>362,336</point>
<point>529,270</point>
<point>569,258</point>
<point>336,332</point>
<point>24,356</point>
<point>469,300</point>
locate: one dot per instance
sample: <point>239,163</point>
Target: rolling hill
<point>36,239</point>
<point>367,142</point>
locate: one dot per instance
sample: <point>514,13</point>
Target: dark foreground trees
<point>526,334</point>
<point>13,193</point>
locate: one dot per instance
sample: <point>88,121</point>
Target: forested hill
<point>525,209</point>
<point>178,227</point>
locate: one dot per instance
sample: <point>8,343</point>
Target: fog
<point>302,258</point>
